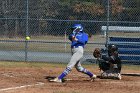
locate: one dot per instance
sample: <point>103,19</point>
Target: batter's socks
<point>64,73</point>
<point>87,72</point>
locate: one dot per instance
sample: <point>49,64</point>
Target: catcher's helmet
<point>112,48</point>
<point>76,27</point>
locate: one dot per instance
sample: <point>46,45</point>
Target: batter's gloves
<point>97,53</point>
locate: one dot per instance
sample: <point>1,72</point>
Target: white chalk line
<point>23,86</point>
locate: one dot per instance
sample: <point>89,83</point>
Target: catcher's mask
<point>112,48</point>
<point>77,27</point>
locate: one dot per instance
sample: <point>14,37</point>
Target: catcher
<point>109,64</point>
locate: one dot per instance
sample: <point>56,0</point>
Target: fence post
<point>108,19</point>
<point>27,32</point>
<point>65,41</point>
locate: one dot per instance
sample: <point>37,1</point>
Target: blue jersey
<point>82,39</point>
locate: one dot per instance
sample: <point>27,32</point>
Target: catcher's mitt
<point>97,53</point>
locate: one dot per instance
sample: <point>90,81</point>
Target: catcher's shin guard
<point>110,75</point>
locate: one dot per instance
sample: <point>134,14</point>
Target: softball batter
<point>78,41</point>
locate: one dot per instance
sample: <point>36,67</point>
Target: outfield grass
<point>37,64</point>
<point>61,47</point>
<point>8,64</point>
<point>133,67</point>
<point>48,47</point>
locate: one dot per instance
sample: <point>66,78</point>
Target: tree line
<point>54,17</point>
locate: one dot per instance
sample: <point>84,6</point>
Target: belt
<point>76,46</point>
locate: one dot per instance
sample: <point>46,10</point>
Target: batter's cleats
<point>93,78</point>
<point>56,80</point>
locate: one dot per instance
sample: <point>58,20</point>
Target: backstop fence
<point>48,23</point>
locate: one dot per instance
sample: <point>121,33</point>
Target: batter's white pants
<point>77,54</point>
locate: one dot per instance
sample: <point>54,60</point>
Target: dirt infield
<point>31,78</point>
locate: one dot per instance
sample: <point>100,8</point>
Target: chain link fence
<point>48,23</point>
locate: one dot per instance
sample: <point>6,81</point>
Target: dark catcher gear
<point>110,64</point>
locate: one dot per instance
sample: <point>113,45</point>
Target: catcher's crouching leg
<point>110,75</point>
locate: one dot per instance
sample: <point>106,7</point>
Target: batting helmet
<point>76,27</point>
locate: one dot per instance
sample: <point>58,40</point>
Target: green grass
<point>133,67</point>
<point>12,64</point>
<point>46,47</point>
